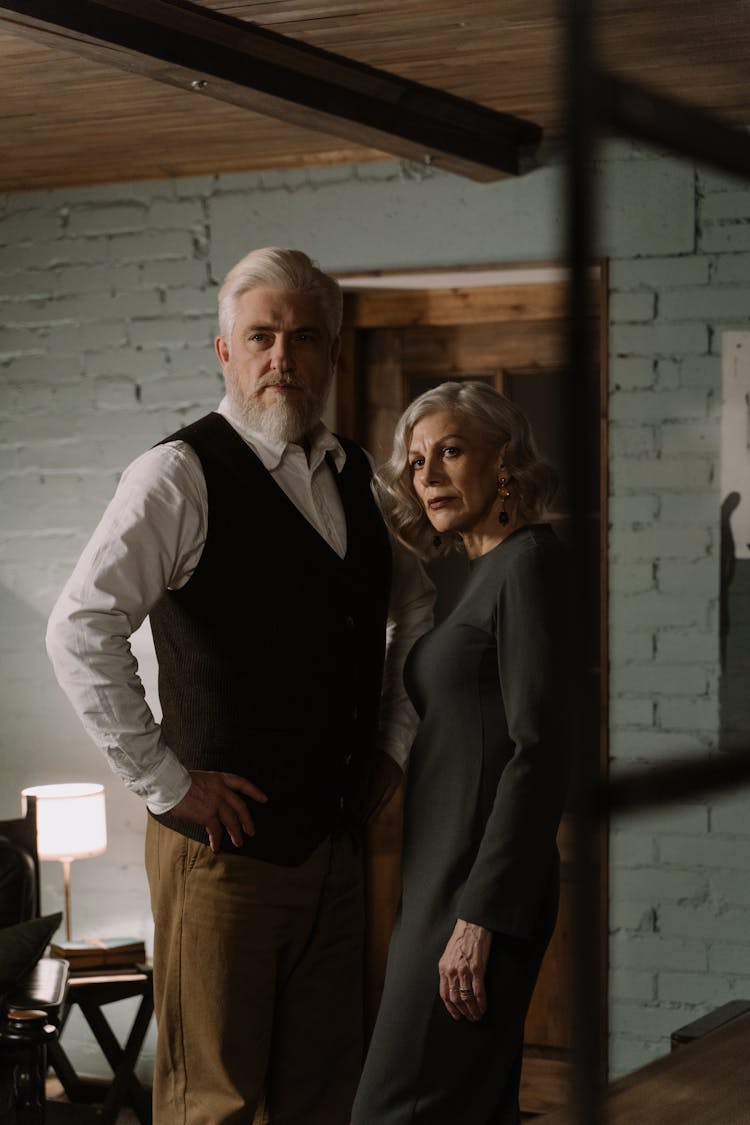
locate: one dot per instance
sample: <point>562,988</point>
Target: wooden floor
<point>706,1082</point>
<point>545,1085</point>
<point>61,1112</point>
<point>544,1088</point>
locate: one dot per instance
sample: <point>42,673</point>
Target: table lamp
<point>70,824</point>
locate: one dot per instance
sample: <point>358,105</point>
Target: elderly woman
<point>487,773</point>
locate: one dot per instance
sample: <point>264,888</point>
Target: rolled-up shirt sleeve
<point>149,539</point>
<point>410,615</point>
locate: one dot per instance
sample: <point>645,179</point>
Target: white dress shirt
<point>150,539</point>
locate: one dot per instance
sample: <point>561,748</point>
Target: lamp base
<point>68,910</point>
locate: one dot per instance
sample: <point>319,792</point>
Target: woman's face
<point>455,472</point>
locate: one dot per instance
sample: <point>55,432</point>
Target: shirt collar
<point>271,453</point>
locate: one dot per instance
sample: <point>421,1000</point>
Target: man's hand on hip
<point>213,800</point>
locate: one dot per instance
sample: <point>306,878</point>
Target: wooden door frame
<point>388,304</point>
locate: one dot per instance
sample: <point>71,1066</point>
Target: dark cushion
<point>17,883</point>
<point>22,945</point>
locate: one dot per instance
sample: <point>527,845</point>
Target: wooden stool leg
<point>91,996</point>
<point>125,1085</point>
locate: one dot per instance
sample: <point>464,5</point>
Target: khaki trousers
<point>257,984</point>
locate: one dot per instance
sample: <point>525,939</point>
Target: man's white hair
<point>272,267</point>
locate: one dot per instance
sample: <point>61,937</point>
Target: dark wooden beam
<point>217,56</point>
<point>633,110</point>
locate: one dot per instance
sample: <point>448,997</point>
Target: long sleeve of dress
<point>515,861</point>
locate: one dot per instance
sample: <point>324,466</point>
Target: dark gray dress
<point>485,792</point>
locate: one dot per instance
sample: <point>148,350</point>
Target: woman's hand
<point>462,969</point>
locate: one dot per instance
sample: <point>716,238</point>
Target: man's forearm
<point>96,669</point>
<point>148,539</point>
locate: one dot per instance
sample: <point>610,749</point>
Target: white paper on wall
<point>735,438</point>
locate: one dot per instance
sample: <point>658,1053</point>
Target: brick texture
<point>665,390</point>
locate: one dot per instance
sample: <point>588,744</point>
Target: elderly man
<point>252,541</point>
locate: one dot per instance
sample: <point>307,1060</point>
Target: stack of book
<point>100,953</point>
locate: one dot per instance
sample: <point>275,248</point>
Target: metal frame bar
<point>581,462</point>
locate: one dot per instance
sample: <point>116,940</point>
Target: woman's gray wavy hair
<point>533,480</point>
<point>273,267</point>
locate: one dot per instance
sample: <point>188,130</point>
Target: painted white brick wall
<point>107,299</point>
<point>92,358</point>
<point>680,916</point>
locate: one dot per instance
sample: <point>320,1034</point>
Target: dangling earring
<point>503,492</point>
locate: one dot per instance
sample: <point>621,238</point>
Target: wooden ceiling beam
<point>633,110</point>
<point>220,57</point>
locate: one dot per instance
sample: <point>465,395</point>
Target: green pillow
<point>22,945</point>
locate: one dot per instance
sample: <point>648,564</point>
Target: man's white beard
<point>283,420</point>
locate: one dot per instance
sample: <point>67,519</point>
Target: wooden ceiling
<point>66,120</point>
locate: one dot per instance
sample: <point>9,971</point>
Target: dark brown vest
<point>271,656</point>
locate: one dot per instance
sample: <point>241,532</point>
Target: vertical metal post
<point>581,414</point>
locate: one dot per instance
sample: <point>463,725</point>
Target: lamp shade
<point>70,820</point>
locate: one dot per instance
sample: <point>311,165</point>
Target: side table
<point>91,991</point>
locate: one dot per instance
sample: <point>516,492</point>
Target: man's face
<point>279,361</point>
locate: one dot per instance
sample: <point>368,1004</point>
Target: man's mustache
<point>279,381</point>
